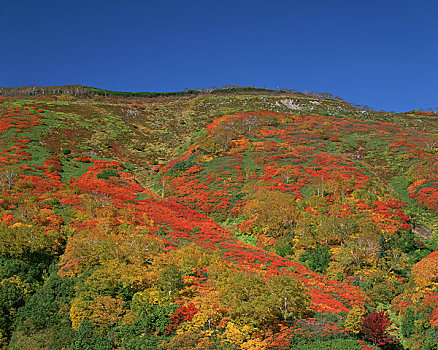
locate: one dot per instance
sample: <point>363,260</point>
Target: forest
<point>217,218</point>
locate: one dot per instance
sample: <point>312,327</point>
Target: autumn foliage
<point>257,230</point>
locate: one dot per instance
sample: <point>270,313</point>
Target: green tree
<point>170,280</point>
<point>318,259</point>
<point>42,309</point>
<point>11,298</point>
<point>147,331</point>
<point>88,338</point>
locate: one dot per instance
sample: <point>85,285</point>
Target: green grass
<point>69,171</point>
<point>332,344</point>
<point>400,185</point>
<point>248,239</point>
<point>422,216</point>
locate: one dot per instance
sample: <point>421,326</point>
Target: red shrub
<point>184,313</point>
<point>375,328</point>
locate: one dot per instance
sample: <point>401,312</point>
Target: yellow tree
<point>274,212</point>
<point>334,228</point>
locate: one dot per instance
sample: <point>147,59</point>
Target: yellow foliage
<point>188,340</point>
<point>209,315</point>
<point>89,248</point>
<point>106,310</point>
<point>103,310</point>
<point>188,292</point>
<point>424,275</point>
<point>354,319</point>
<point>79,312</point>
<point>236,334</point>
<point>274,211</point>
<point>255,344</point>
<point>64,97</point>
<point>198,322</point>
<point>147,221</point>
<point>129,274</point>
<point>4,341</point>
<point>207,158</point>
<point>425,272</point>
<point>190,258</point>
<point>335,270</point>
<point>25,287</point>
<point>147,297</point>
<point>128,318</point>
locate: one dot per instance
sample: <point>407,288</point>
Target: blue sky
<point>381,53</point>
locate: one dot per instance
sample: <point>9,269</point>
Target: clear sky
<point>382,53</point>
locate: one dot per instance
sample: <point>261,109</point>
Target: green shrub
<point>332,344</point>
<point>182,166</point>
<point>42,308</point>
<point>407,327</point>
<point>317,260</point>
<point>283,247</point>
<point>107,173</point>
<point>147,332</point>
<point>87,338</point>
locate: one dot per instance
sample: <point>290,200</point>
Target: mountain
<point>213,218</point>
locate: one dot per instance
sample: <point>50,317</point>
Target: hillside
<point>234,218</point>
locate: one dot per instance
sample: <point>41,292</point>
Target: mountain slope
<point>117,189</point>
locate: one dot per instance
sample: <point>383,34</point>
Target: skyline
<point>383,55</point>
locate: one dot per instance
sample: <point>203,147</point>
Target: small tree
<point>8,176</point>
<point>354,319</point>
<point>375,328</point>
<point>317,260</point>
